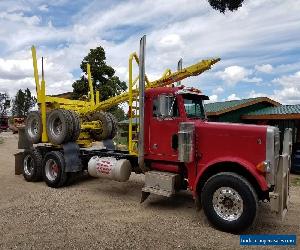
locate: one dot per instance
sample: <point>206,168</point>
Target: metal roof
<point>280,110</point>
<point>218,108</point>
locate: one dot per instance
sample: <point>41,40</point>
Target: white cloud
<point>18,74</point>
<point>212,98</point>
<point>265,68</point>
<point>218,90</point>
<point>289,81</point>
<point>20,18</point>
<point>233,74</point>
<point>15,69</point>
<point>290,91</point>
<point>254,94</point>
<point>233,97</point>
<point>253,80</point>
<point>170,41</point>
<point>44,8</point>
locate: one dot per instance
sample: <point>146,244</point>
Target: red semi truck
<point>227,167</point>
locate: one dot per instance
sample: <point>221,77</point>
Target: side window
<point>165,106</point>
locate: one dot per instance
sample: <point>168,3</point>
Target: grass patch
<point>1,140</point>
<point>296,182</point>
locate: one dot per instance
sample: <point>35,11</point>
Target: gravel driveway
<point>103,214</point>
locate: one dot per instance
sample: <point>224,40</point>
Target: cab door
<point>163,128</point>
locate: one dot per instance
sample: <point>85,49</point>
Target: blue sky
<point>258,44</point>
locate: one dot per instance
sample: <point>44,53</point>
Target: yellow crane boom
<point>167,79</point>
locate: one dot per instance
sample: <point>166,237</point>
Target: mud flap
<point>71,155</point>
<point>23,142</point>
<point>279,198</point>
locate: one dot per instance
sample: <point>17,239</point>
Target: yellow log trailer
<point>62,120</point>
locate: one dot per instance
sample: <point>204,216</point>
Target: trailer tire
<point>76,125</point>
<point>106,126</point>
<point>229,202</point>
<point>59,126</point>
<point>54,169</point>
<point>114,122</point>
<point>32,165</point>
<point>33,127</point>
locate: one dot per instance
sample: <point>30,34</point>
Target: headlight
<point>264,167</point>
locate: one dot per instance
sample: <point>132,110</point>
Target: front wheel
<point>229,202</point>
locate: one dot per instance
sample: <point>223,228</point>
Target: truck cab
<point>228,167</point>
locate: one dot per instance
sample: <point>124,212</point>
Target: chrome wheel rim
<point>28,165</point>
<point>51,170</point>
<point>56,127</point>
<point>227,203</point>
<point>33,128</point>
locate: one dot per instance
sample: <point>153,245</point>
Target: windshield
<point>193,105</point>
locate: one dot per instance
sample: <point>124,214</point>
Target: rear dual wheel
<point>54,169</point>
<point>63,126</point>
<point>32,165</point>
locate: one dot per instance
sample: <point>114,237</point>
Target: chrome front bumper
<point>279,198</point>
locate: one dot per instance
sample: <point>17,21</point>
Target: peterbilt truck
<point>227,167</point>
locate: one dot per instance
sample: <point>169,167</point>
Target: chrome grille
<point>276,148</point>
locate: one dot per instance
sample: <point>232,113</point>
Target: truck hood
<point>238,142</point>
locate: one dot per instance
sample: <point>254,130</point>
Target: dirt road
<point>103,214</point>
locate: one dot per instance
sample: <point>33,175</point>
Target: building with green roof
<point>232,111</point>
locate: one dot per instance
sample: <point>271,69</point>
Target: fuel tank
<point>109,168</point>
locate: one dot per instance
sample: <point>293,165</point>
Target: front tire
<point>229,202</point>
<point>54,169</point>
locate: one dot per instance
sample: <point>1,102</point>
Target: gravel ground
<point>103,214</point>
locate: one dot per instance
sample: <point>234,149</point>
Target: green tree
<point>4,103</point>
<point>224,5</point>
<point>22,103</point>
<point>104,80</point>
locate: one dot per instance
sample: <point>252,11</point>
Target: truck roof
<point>176,90</point>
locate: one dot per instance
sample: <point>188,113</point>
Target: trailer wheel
<point>33,127</point>
<point>54,169</point>
<point>114,122</point>
<point>59,126</point>
<point>32,165</point>
<point>229,202</point>
<point>106,126</point>
<point>76,125</point>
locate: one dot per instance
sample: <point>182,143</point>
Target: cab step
<point>159,183</point>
